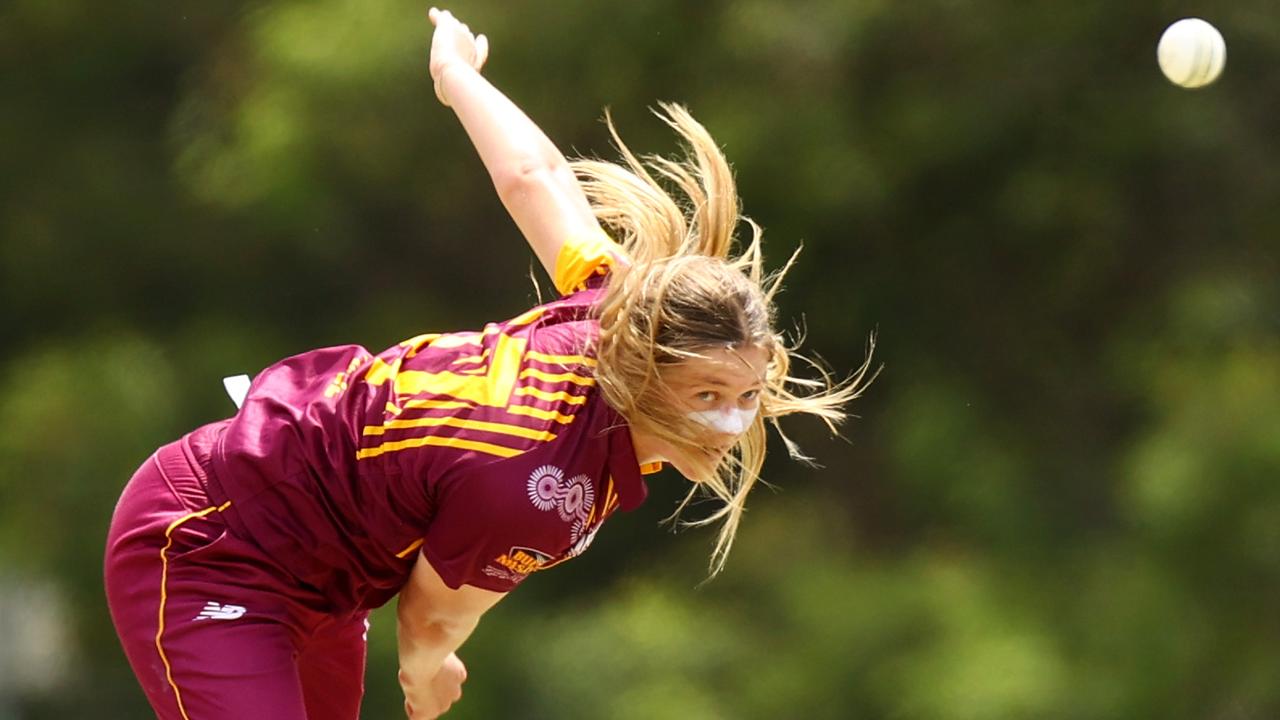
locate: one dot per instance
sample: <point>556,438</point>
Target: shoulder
<point>572,336</point>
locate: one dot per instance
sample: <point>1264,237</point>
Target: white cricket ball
<point>1191,53</point>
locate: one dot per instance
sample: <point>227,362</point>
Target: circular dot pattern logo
<point>572,499</point>
<point>577,499</point>
<point>544,486</point>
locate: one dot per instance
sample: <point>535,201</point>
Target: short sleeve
<point>460,544</point>
<point>583,258</point>
<point>481,535</point>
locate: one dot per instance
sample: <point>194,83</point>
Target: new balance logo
<point>214,611</point>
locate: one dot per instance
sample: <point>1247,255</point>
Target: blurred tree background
<point>1060,499</point>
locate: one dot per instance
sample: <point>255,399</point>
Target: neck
<point>646,447</point>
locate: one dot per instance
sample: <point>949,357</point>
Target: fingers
<point>453,40</point>
<point>438,16</point>
<point>442,19</point>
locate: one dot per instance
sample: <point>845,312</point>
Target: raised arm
<point>531,176</point>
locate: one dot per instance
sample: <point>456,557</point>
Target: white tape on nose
<point>730,421</point>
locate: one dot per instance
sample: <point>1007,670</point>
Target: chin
<point>697,470</point>
<point>681,468</point>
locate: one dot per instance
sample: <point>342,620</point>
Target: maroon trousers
<point>213,628</point>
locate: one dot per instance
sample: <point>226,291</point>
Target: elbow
<point>434,632</point>
<point>521,178</point>
<point>425,623</point>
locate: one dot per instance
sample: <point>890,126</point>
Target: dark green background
<point>1059,500</point>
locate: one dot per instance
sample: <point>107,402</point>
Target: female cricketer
<point>243,559</point>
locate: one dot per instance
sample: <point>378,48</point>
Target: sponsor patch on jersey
<point>521,560</point>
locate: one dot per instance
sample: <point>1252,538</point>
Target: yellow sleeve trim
<point>580,258</point>
<point>412,546</point>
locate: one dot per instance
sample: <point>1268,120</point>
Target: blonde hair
<point>685,292</point>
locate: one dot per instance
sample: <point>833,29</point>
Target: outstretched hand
<point>452,43</point>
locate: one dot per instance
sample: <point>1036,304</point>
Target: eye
<point>708,396</point>
<point>750,395</point>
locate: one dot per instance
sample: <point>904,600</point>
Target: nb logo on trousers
<point>214,611</point>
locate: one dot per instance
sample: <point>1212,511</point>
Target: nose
<point>727,419</point>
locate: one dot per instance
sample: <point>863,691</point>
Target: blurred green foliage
<point>1060,499</point>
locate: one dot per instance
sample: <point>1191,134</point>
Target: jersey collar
<point>626,468</point>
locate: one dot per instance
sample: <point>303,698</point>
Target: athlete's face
<point>720,392</point>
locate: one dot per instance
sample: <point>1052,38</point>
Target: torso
<point>491,451</point>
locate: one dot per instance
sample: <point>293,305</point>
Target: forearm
<point>535,182</point>
<point>423,642</point>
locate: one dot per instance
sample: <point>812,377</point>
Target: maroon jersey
<point>491,451</point>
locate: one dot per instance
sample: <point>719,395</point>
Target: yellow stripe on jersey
<point>480,425</point>
<point>561,359</point>
<point>416,343</point>
<point>380,371</point>
<point>491,389</point>
<point>591,517</point>
<point>462,339</point>
<point>526,317</point>
<point>610,498</point>
<point>438,404</point>
<point>540,413</point>
<point>557,377</point>
<point>551,396</point>
<point>453,442</point>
